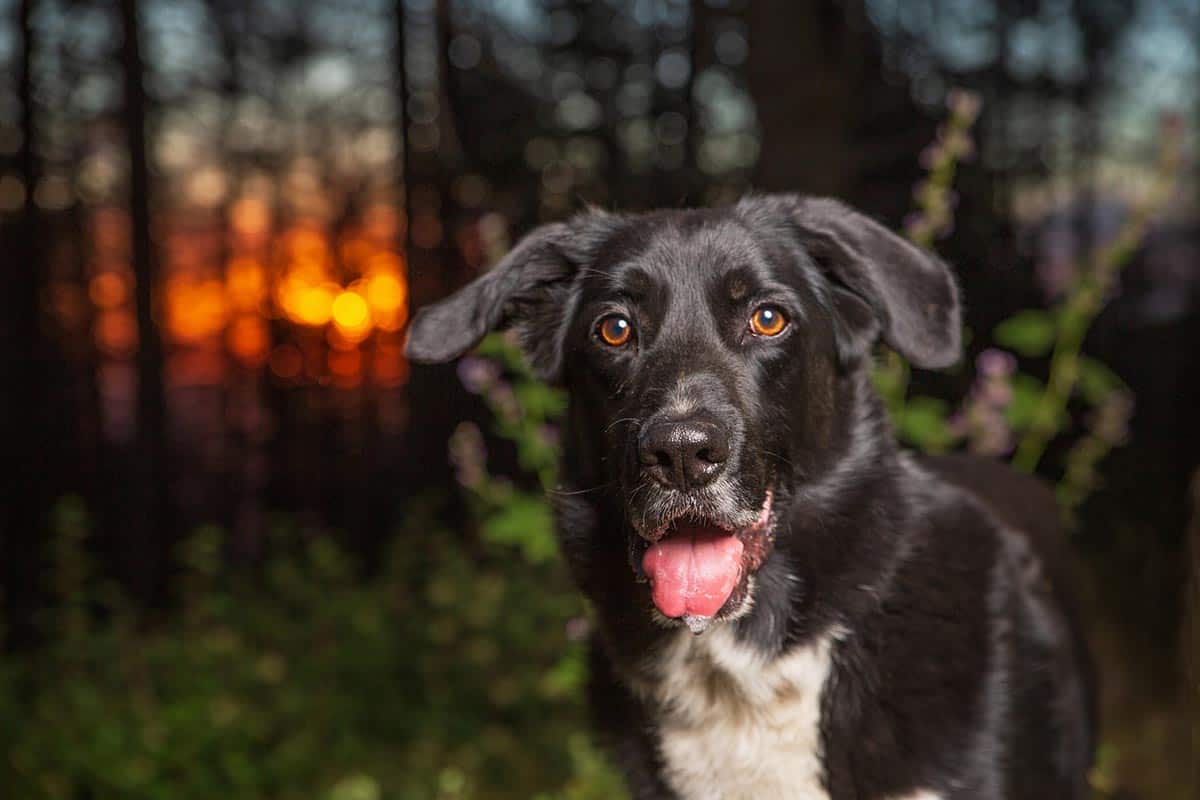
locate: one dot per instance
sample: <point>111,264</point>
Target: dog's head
<point>705,354</point>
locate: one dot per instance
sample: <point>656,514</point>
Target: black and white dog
<point>788,606</point>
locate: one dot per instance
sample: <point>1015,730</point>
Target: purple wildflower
<point>478,374</point>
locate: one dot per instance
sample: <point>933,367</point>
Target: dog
<point>787,604</point>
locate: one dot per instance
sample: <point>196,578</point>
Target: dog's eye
<point>767,321</point>
<point>614,330</point>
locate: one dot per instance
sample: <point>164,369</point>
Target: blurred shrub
<point>448,675</point>
<point>1009,413</point>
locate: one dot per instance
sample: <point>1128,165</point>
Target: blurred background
<point>249,551</point>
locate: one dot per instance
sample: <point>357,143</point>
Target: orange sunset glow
<point>249,294</point>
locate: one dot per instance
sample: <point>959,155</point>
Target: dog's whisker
<point>777,456</point>
<point>568,493</point>
<point>636,423</point>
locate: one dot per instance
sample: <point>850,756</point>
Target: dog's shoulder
<point>970,609</point>
<point>1022,505</point>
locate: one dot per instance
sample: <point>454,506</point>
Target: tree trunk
<point>830,122</point>
<point>24,508</point>
<point>435,400</point>
<point>800,77</point>
<point>150,515</point>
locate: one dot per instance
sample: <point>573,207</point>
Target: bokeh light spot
<point>351,315</point>
<point>249,340</point>
<point>108,290</point>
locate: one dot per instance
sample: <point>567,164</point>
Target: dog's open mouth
<point>695,564</point>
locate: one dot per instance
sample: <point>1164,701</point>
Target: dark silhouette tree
<point>24,507</point>
<point>431,159</point>
<point>150,516</point>
<point>829,123</point>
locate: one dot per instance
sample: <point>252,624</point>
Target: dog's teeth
<point>697,625</point>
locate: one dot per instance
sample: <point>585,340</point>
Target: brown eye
<point>767,321</point>
<point>614,330</point>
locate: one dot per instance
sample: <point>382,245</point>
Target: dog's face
<point>702,352</point>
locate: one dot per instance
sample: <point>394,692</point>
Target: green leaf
<point>525,522</point>
<point>1027,393</point>
<point>355,787</point>
<point>922,423</point>
<point>1097,381</point>
<point>1030,333</point>
<point>539,400</point>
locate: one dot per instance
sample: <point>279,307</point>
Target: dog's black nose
<point>684,454</point>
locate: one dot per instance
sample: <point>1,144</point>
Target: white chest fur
<point>734,724</point>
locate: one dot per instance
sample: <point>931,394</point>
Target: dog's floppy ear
<point>528,290</point>
<point>883,284</point>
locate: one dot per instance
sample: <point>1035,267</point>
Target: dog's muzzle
<point>694,564</point>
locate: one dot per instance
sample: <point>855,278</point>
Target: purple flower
<point>504,401</point>
<point>578,629</point>
<point>468,455</point>
<point>995,363</point>
<point>1111,421</point>
<point>478,374</point>
<point>982,419</point>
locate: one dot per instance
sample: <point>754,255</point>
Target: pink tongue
<point>693,570</point>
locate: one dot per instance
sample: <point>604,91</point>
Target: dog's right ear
<point>528,290</point>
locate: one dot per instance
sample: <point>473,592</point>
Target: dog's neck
<point>845,531</point>
<point>828,567</point>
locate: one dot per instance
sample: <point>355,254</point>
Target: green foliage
<point>447,674</point>
<point>524,409</point>
<point>524,522</point>
<point>1030,333</point>
<point>1097,382</point>
<point>922,421</point>
<point>1035,412</point>
<point>1026,394</point>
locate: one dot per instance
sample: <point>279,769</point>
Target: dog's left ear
<point>883,284</point>
<point>529,290</point>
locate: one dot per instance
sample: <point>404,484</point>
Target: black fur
<point>960,671</point>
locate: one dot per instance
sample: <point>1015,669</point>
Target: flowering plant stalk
<point>1073,316</point>
<point>1009,412</point>
<point>933,219</point>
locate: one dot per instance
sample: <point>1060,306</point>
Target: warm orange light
<point>352,316</point>
<point>354,250</point>
<point>110,232</point>
<point>246,283</point>
<point>386,293</point>
<point>249,339</point>
<point>381,222</point>
<point>116,333</point>
<point>195,310</point>
<point>345,363</point>
<point>392,322</point>
<point>108,290</point>
<point>250,217</point>
<point>388,366</point>
<point>196,366</point>
<point>306,303</point>
<point>385,261</point>
<point>307,245</point>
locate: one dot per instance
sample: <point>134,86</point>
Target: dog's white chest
<point>733,724</point>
